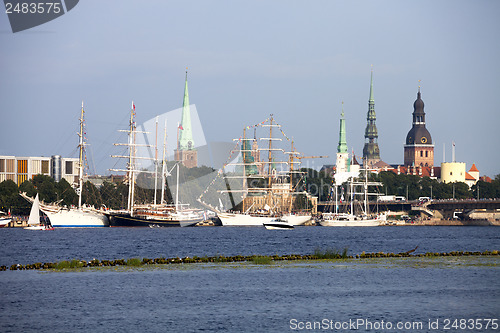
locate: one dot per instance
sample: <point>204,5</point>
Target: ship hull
<point>296,219</point>
<point>126,220</point>
<point>361,223</point>
<point>348,220</point>
<point>243,220</point>
<point>74,218</point>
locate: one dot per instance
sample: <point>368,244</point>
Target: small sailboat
<point>34,219</point>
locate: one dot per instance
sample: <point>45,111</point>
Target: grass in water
<point>330,253</point>
<point>261,260</point>
<point>134,262</point>
<point>69,264</point>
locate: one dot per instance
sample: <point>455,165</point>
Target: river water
<point>393,295</point>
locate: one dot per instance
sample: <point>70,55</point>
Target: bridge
<point>438,208</point>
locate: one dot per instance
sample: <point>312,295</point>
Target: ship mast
<point>131,167</point>
<point>163,162</point>
<point>131,161</point>
<point>80,160</point>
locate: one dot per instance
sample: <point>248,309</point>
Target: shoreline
<point>441,222</point>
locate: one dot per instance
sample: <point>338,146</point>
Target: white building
<point>20,169</point>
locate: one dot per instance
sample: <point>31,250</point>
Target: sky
<point>297,60</point>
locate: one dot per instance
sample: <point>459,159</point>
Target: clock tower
<point>419,150</point>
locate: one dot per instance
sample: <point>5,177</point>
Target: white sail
<point>34,218</point>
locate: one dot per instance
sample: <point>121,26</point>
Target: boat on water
<point>278,224</point>
<point>34,219</point>
<point>260,190</point>
<point>350,219</point>
<point>148,215</point>
<point>74,217</point>
<point>4,219</point>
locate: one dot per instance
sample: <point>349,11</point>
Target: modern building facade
<point>20,169</point>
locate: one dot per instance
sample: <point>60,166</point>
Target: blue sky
<point>247,59</point>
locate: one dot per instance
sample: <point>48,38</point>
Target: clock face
<point>424,139</point>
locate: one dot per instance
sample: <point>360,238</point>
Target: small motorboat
<point>278,224</point>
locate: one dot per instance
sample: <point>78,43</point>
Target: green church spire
<point>342,147</point>
<point>186,141</point>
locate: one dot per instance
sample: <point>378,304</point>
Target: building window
<point>69,167</point>
<point>22,166</point>
<point>2,165</point>
<point>45,167</point>
<point>421,153</point>
<point>426,154</point>
<point>451,173</point>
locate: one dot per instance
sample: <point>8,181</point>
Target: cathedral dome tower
<point>419,150</point>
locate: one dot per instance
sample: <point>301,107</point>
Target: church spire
<point>342,146</point>
<point>372,99</point>
<point>371,151</point>
<point>186,141</point>
<point>186,152</point>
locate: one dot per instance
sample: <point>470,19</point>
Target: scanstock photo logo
<point>26,14</point>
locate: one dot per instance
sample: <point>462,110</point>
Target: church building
<point>186,152</point>
<point>371,151</point>
<point>418,150</point>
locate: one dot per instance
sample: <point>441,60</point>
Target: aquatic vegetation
<point>330,254</point>
<point>134,262</point>
<point>262,260</point>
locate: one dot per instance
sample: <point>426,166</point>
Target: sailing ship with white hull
<point>71,217</point>
<point>147,215</point>
<point>349,219</point>
<point>273,197</point>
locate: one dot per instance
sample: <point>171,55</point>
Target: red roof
<point>469,177</point>
<point>473,168</point>
<point>485,179</point>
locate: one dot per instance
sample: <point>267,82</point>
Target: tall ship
<point>74,217</point>
<point>147,215</point>
<point>354,216</point>
<point>259,185</point>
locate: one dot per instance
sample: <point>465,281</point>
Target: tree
<point>8,194</point>
<point>45,187</point>
<point>91,195</point>
<point>66,193</point>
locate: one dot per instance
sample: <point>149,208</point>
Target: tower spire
<point>342,146</point>
<point>186,141</point>
<point>372,99</point>
<point>186,151</point>
<point>371,151</point>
